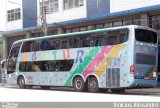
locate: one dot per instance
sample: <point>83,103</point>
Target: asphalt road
<point>142,92</point>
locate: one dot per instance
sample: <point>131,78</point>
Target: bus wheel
<point>93,85</point>
<point>21,82</point>
<point>118,90</point>
<point>79,84</point>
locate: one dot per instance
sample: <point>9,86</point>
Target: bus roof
<point>80,33</point>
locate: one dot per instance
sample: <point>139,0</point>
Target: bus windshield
<point>146,36</point>
<point>13,58</point>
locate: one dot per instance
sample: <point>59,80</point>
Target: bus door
<point>146,52</point>
<point>12,59</point>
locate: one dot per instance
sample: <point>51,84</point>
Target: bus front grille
<point>113,77</point>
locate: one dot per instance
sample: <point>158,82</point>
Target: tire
<point>45,87</point>
<point>118,90</point>
<point>21,82</point>
<point>93,85</point>
<point>79,84</point>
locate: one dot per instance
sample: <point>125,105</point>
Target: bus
<point>158,61</point>
<point>116,58</point>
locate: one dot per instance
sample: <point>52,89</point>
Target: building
<point>65,16</point>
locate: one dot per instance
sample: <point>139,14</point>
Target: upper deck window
<point>115,37</point>
<point>145,36</point>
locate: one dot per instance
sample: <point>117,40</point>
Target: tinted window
<point>112,37</point>
<point>91,40</point>
<point>116,37</point>
<point>27,46</point>
<point>85,41</point>
<point>74,42</point>
<point>145,36</point>
<point>45,45</point>
<point>49,66</point>
<point>56,44</point>
<point>97,41</point>
<point>64,44</point>
<point>37,45</point>
<point>12,60</point>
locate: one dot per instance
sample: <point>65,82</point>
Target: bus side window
<point>27,46</point>
<point>91,40</point>
<point>74,42</point>
<point>55,44</point>
<point>29,66</point>
<point>51,66</point>
<point>66,65</point>
<point>64,44</point>
<point>36,67</point>
<point>22,66</point>
<point>45,45</point>
<point>85,41</point>
<point>37,46</point>
<point>58,65</point>
<point>123,36</point>
<point>98,41</point>
<point>111,38</point>
<point>116,37</point>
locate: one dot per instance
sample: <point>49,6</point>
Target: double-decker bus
<point>158,61</point>
<point>112,58</point>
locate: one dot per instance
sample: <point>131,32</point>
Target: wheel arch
<point>19,77</point>
<point>92,75</point>
<point>77,75</point>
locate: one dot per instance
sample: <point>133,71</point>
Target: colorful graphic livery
<point>113,58</point>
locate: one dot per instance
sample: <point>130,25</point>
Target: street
<point>14,94</point>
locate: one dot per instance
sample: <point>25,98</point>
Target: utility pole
<point>43,18</point>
